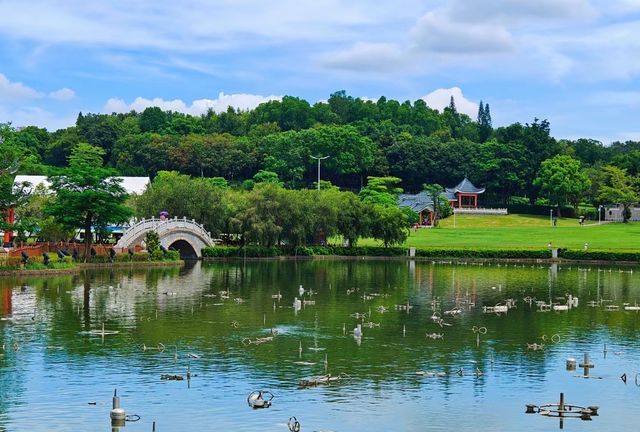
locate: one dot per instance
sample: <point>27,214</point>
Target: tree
<point>619,188</point>
<point>484,122</point>
<point>561,178</point>
<point>87,194</point>
<point>11,158</point>
<point>390,225</point>
<point>453,119</point>
<point>435,193</point>
<point>381,191</point>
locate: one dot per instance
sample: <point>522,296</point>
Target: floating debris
<point>171,377</point>
<point>256,341</point>
<point>453,312</point>
<point>160,347</point>
<point>555,338</point>
<point>495,309</point>
<point>535,346</point>
<point>322,379</point>
<point>431,374</point>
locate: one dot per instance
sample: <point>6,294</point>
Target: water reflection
<point>371,320</point>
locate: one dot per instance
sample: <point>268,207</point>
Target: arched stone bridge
<point>186,236</point>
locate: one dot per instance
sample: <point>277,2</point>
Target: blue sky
<point>573,62</point>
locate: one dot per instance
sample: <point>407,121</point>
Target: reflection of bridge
<point>186,236</point>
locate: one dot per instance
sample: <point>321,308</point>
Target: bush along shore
<point>215,252</point>
<point>36,264</point>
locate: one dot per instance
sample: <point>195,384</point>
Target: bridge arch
<point>174,232</point>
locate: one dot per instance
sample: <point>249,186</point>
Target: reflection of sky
<point>49,389</point>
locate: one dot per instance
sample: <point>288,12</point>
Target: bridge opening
<point>187,252</point>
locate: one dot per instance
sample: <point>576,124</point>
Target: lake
<point>58,370</point>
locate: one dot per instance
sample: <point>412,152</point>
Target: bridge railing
<point>161,225</point>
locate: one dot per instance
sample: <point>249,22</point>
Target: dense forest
<point>362,138</point>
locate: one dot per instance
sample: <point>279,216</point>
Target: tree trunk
<point>87,234</point>
<point>558,212</point>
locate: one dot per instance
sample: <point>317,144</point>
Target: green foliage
<point>440,202</point>
<point>562,180</point>
<point>152,240</point>
<point>619,188</point>
<point>485,253</point>
<point>382,138</point>
<point>391,225</point>
<point>595,255</point>
<point>270,177</point>
<point>239,252</point>
<point>87,194</point>
<point>265,252</point>
<point>382,191</point>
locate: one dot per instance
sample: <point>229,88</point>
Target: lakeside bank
<point>79,267</point>
<point>423,254</point>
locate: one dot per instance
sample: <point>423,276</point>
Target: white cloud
<point>16,91</point>
<point>440,98</point>
<point>616,98</point>
<point>368,57</point>
<point>437,33</point>
<point>36,116</point>
<point>189,25</point>
<point>199,106</point>
<point>64,94</point>
<point>509,10</point>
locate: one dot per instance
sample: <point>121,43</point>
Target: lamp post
<point>599,213</point>
<point>551,216</point>
<point>319,158</point>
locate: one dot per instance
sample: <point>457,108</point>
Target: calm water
<point>50,369</point>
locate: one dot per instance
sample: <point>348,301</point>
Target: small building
<point>463,195</point>
<point>614,213</point>
<point>419,203</point>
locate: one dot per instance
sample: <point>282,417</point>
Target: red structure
<point>464,194</point>
<point>11,218</point>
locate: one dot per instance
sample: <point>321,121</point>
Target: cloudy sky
<point>573,62</point>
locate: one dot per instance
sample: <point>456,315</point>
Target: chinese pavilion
<point>463,195</point>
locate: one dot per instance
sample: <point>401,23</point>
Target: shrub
<point>598,255</point>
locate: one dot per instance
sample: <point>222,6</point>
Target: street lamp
<point>319,158</point>
<point>551,216</point>
<point>599,213</point>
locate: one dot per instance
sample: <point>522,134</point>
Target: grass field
<point>523,232</point>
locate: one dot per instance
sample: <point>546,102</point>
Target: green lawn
<point>523,232</point>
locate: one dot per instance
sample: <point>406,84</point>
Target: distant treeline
<point>363,138</point>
